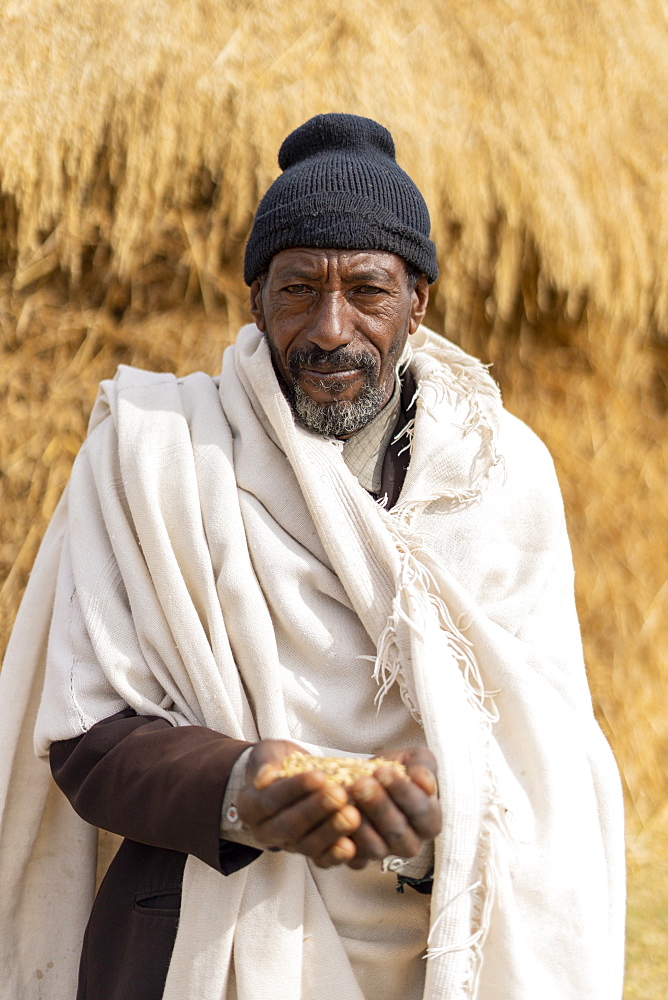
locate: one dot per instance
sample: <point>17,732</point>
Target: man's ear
<point>256,307</point>
<point>419,301</point>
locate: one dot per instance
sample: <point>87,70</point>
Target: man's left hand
<point>398,816</point>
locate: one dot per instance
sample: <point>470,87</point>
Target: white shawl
<point>464,591</point>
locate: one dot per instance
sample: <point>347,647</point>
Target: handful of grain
<point>342,770</point>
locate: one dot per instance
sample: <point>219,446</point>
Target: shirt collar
<point>364,451</point>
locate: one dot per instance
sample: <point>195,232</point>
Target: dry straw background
<point>135,140</point>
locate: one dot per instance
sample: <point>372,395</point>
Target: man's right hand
<point>305,814</point>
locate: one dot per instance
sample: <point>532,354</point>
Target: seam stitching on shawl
<point>73,662</point>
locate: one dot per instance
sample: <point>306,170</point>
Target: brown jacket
<point>161,787</point>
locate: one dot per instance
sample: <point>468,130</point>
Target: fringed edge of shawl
<point>417,579</point>
<point>459,377</point>
<point>484,890</point>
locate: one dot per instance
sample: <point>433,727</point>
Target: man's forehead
<point>314,261</point>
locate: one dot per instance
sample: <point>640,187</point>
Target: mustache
<point>340,358</point>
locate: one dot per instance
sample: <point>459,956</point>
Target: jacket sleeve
<point>149,781</point>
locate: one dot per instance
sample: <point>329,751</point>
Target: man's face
<point>336,322</point>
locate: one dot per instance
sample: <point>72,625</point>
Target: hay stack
<point>136,138</point>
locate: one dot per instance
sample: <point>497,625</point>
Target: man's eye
<point>369,290</point>
<point>298,289</point>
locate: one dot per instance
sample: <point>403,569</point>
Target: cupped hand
<point>398,815</point>
<point>305,814</point>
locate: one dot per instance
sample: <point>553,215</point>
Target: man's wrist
<point>231,826</point>
<point>415,868</point>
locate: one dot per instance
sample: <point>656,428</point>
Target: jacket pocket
<point>159,902</point>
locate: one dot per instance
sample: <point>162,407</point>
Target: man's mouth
<point>329,376</point>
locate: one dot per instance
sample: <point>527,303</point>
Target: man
<point>344,545</point>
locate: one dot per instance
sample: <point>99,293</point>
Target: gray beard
<point>338,417</point>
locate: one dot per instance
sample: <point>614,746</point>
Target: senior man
<point>345,545</point>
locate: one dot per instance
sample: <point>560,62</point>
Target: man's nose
<point>331,324</point>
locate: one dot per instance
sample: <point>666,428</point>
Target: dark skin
<point>308,814</point>
<point>364,300</point>
<point>361,300</point>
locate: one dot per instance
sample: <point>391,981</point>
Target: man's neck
<point>364,451</point>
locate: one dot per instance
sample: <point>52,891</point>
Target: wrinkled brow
<point>368,276</point>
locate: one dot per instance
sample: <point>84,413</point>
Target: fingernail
<point>346,820</point>
<point>264,776</point>
<point>429,783</point>
<point>333,798</point>
<point>343,849</point>
<point>425,779</point>
<point>387,775</point>
<point>365,792</point>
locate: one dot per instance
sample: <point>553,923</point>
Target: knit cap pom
<point>325,133</point>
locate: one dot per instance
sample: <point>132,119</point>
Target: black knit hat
<point>341,188</point>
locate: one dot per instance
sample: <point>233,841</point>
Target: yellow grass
<point>135,140</point>
<point>647,944</point>
<point>526,125</point>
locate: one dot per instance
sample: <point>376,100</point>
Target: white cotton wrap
<point>208,557</point>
